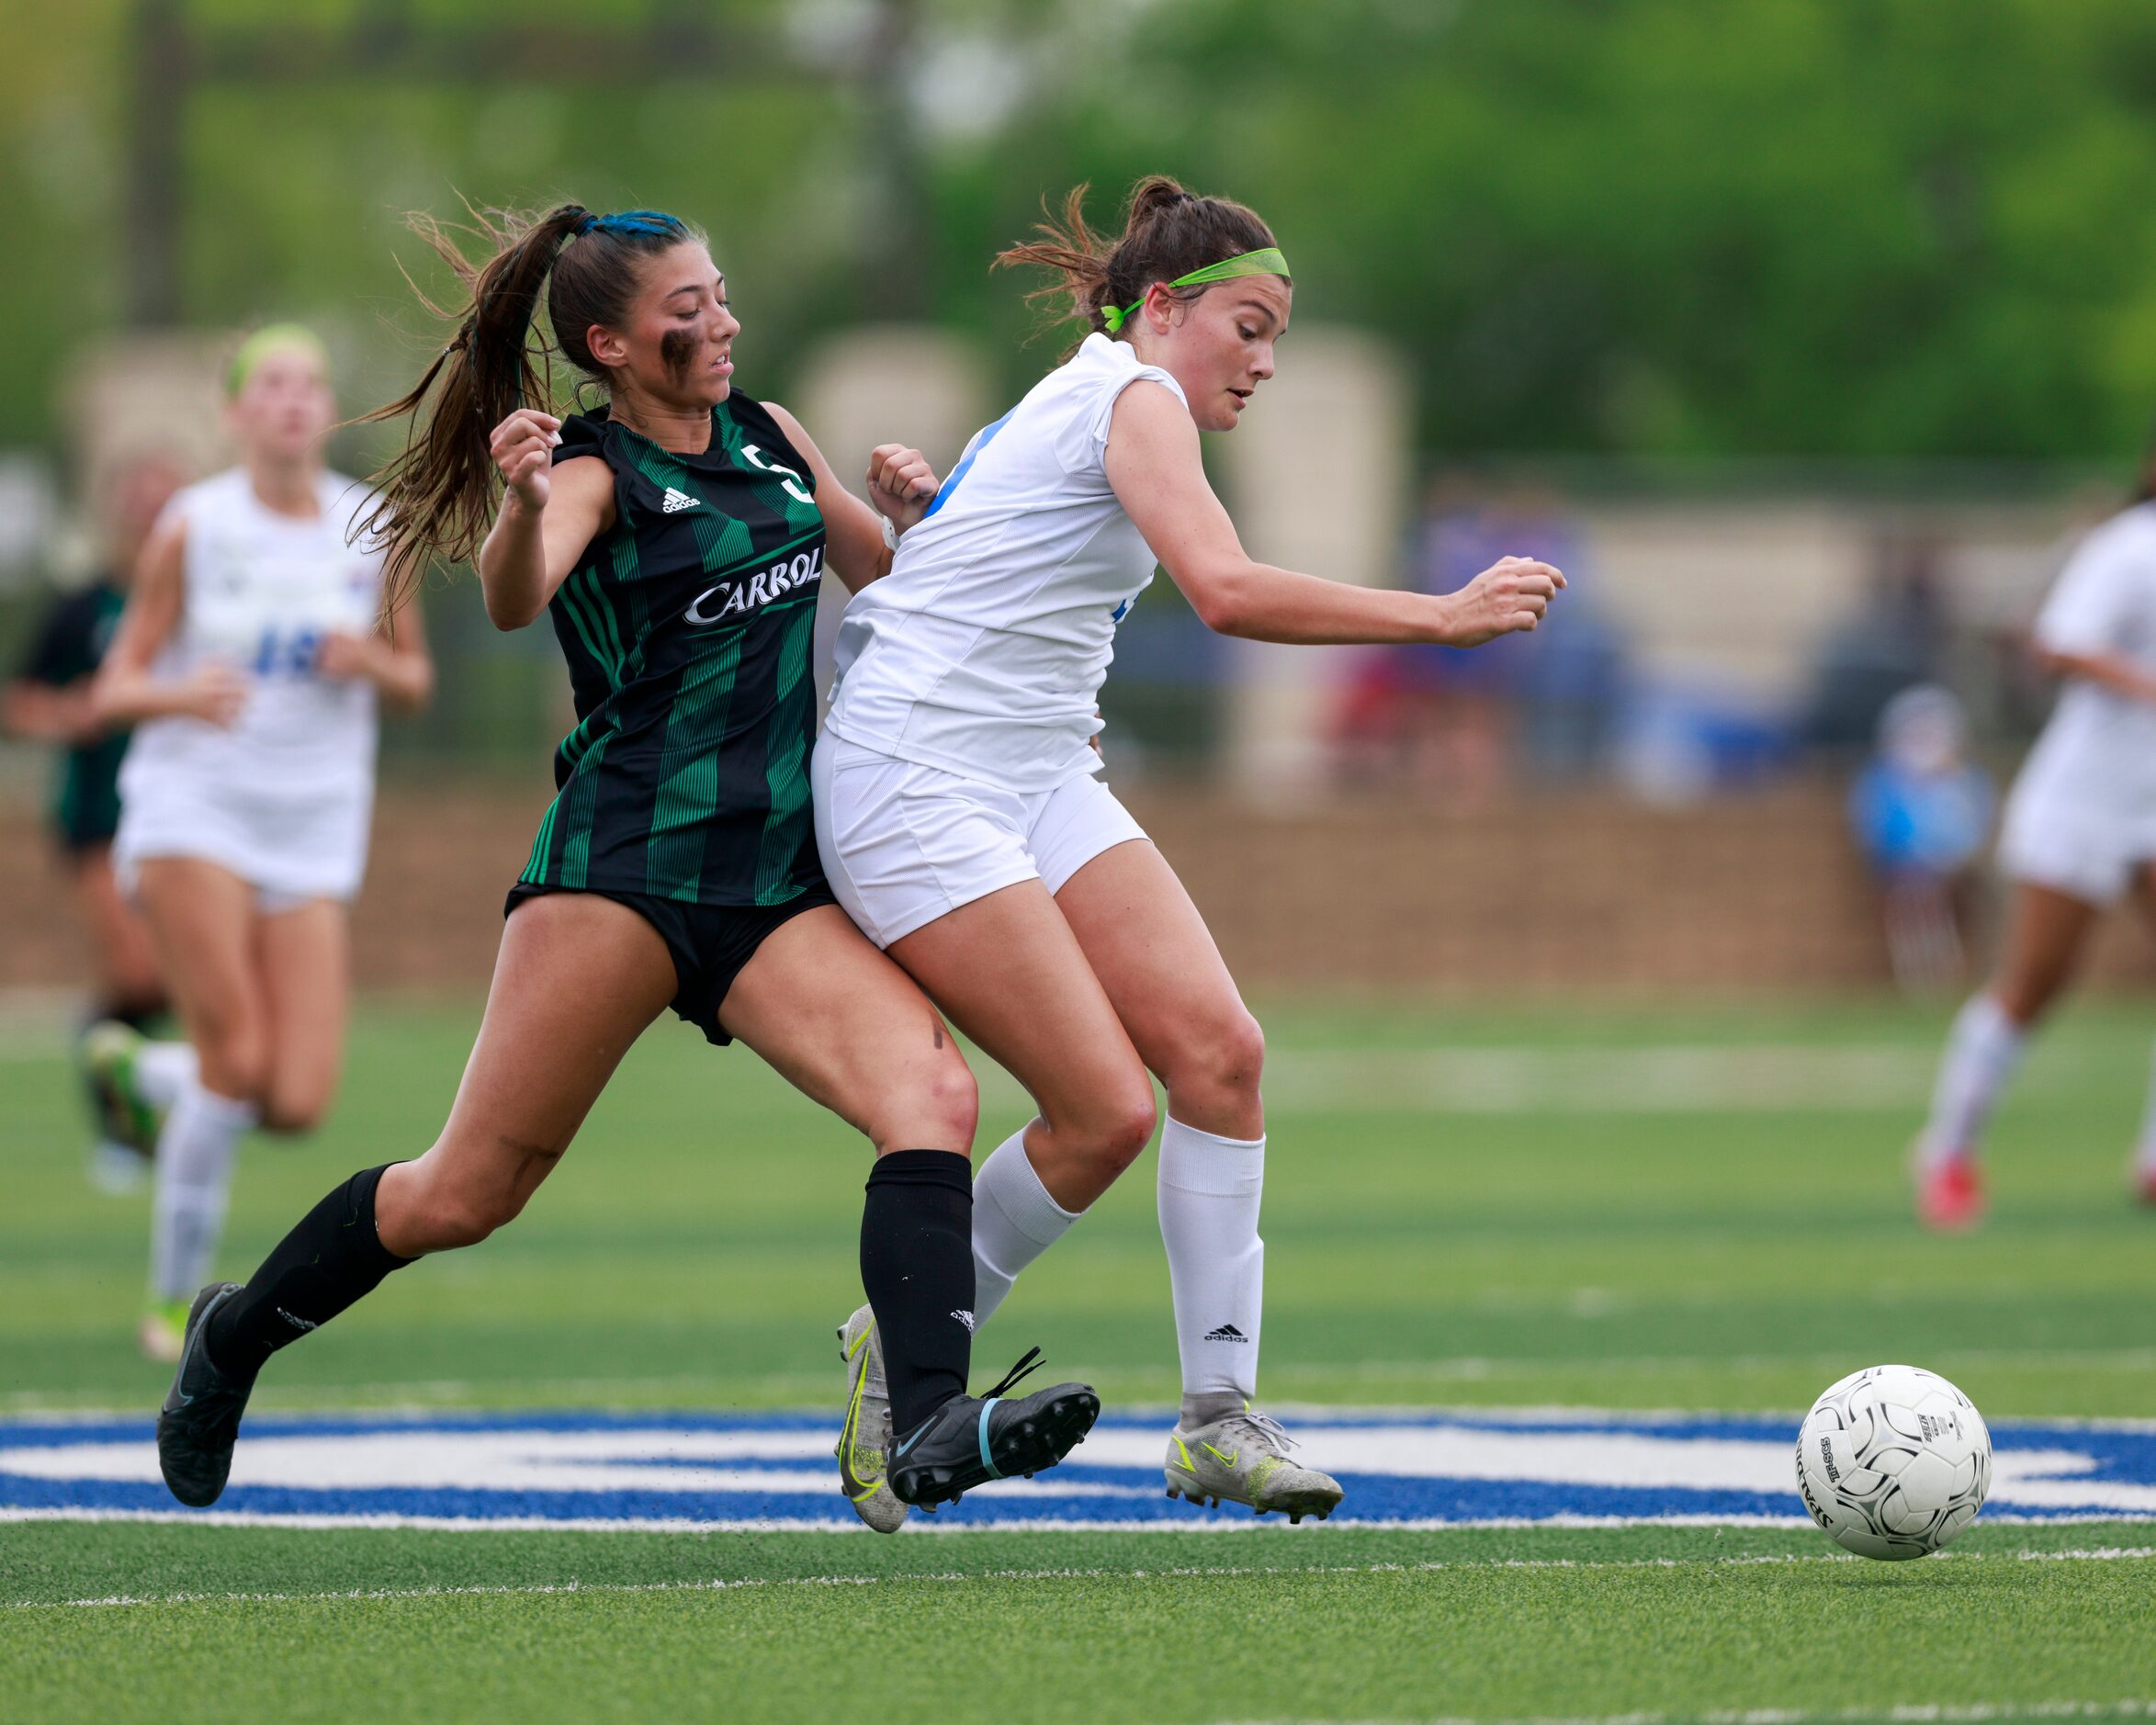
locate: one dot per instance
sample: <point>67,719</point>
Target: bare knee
<point>435,1214</point>
<point>289,1115</point>
<point>1117,1134</point>
<point>1218,1066</point>
<point>232,1057</point>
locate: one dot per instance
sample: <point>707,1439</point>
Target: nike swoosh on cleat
<point>1227,1459</point>
<point>910,1442</point>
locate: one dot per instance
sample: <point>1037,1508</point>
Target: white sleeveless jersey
<point>983,651</point>
<point>261,590</point>
<point>2099,749</point>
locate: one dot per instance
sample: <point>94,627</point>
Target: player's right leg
<point>202,916</point>
<point>847,1027</point>
<point>2047,930</point>
<point>129,994</point>
<point>577,980</point>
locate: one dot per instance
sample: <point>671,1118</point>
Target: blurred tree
<point>1850,228</point>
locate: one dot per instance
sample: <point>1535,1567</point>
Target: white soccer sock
<point>163,1070</point>
<point>1014,1221</point>
<point>1209,1191</point>
<point>195,1155</point>
<point>1983,1050</point>
<point>2145,1158</point>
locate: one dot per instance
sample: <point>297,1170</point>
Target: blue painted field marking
<point>721,1470</point>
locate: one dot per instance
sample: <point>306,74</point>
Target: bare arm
<point>900,487</point>
<point>49,713</point>
<point>126,691</point>
<point>1159,479</point>
<point>2115,672</point>
<point>549,515</point>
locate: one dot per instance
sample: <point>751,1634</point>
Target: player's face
<point>679,346</point>
<point>285,409</point>
<point>1220,349</point>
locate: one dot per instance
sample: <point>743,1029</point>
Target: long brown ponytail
<point>435,500</point>
<point>1166,232</point>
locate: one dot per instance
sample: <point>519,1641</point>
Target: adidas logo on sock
<point>965,1318</point>
<point>1227,1333</point>
<point>675,501</point>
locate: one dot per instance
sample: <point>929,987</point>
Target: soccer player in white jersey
<point>2079,834</point>
<point>964,828</point>
<point>250,660</point>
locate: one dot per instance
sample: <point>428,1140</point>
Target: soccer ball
<point>1893,1461</point>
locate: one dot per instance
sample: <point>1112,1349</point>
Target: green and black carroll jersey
<point>69,648</point>
<point>688,626</point>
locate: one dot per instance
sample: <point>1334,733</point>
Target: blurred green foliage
<point>1841,228</point>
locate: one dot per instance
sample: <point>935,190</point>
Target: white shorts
<point>291,850</point>
<point>2075,845</point>
<point>904,844</point>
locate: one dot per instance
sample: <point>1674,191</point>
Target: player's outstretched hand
<point>523,446</point>
<point>900,484</point>
<point>1510,596</point>
<point>214,694</point>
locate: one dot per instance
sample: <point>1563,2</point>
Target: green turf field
<point>1697,1210</point>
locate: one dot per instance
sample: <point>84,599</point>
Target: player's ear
<point>607,345</point>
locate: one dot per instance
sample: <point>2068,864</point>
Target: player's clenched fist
<point>900,484</point>
<point>1512,595</point>
<point>523,446</point>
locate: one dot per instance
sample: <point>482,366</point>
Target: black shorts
<point>709,943</point>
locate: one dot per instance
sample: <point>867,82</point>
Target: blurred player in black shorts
<point>48,701</point>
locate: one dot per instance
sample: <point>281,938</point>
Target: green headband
<point>273,338</point>
<point>1266,263</point>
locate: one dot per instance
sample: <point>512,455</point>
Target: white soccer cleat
<point>1244,1459</point>
<point>867,1439</point>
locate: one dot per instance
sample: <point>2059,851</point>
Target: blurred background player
<point>1920,811</point>
<point>250,660</point>
<point>2079,834</point>
<point>49,701</point>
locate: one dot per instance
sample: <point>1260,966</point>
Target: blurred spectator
<point>1464,725</point>
<point>1896,639</point>
<point>1920,811</point>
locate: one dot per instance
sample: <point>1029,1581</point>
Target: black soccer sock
<point>332,1259</point>
<point>917,1268</point>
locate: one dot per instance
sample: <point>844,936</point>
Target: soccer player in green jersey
<point>48,701</point>
<point>676,536</point>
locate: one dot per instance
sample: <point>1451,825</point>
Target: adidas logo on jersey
<point>675,501</point>
<point>1227,1333</point>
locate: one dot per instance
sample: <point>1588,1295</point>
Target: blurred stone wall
<point>1535,896</point>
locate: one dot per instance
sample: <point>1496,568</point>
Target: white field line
<point>2098,1554</point>
<point>1507,1079</point>
<point>1914,1713</point>
<point>1645,1079</point>
<point>469,1395</point>
<point>1219,1527</point>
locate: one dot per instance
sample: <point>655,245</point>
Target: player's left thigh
<point>305,958</point>
<point>847,1028</point>
<point>1169,985</point>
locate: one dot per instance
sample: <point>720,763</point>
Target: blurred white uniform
<point>283,797</point>
<point>2081,816</point>
<point>959,759</point>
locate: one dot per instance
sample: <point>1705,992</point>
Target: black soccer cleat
<point>972,1440</point>
<point>200,1419</point>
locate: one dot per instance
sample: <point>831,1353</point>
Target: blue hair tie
<point>650,222</point>
<point>585,223</point>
